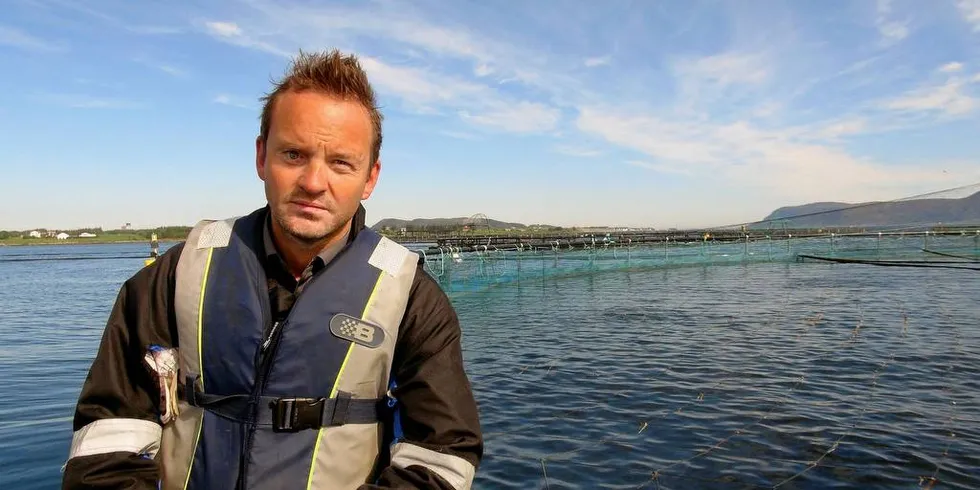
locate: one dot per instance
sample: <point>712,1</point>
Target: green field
<point>164,234</point>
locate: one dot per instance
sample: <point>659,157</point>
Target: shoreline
<point>24,243</point>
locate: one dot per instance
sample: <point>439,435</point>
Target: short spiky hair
<point>331,73</point>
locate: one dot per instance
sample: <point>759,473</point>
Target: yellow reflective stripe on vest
<point>182,436</point>
<point>116,435</point>
<point>455,470</point>
<point>347,455</point>
<point>336,384</point>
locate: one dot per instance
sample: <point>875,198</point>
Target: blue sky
<point>640,113</point>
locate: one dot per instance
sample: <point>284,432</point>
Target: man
<point>289,348</point>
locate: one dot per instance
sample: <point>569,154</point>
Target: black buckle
<point>292,414</point>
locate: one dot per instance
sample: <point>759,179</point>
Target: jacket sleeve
<point>436,442</point>
<point>116,424</point>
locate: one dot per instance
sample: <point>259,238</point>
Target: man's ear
<point>373,174</point>
<point>260,157</point>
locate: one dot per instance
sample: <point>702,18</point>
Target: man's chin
<point>307,235</point>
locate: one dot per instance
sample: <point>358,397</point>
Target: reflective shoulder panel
<point>216,233</point>
<point>115,435</point>
<point>389,256</point>
<point>455,470</point>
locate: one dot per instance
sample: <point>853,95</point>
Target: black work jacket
<point>438,410</point>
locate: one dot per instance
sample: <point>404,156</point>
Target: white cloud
<point>522,117</point>
<point>660,168</point>
<point>673,141</point>
<point>460,135</point>
<point>164,67</point>
<point>951,67</point>
<point>845,127</point>
<point>224,29</point>
<point>948,98</point>
<point>230,100</point>
<point>17,38</point>
<point>971,12</point>
<point>891,31</point>
<point>725,69</point>
<point>779,163</point>
<point>577,151</point>
<point>418,86</point>
<point>154,30</point>
<point>231,33</point>
<point>597,61</point>
<point>767,109</point>
<point>424,90</point>
<point>696,130</point>
<point>482,70</point>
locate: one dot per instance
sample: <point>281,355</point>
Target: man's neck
<point>298,254</point>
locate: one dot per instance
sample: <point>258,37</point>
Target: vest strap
<point>289,414</point>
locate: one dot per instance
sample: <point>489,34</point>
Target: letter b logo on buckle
<point>356,330</point>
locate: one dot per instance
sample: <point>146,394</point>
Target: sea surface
<point>763,375</point>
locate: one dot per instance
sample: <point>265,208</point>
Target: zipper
<point>263,365</point>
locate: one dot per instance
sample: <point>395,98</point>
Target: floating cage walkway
<point>474,268</point>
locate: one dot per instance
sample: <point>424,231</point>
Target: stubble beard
<point>310,234</point>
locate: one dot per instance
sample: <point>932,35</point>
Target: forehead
<point>308,117</point>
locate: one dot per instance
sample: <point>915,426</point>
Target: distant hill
<point>919,211</point>
<point>419,224</point>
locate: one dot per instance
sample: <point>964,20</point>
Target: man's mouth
<point>307,205</point>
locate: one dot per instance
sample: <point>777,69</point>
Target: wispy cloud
<point>224,29</point>
<point>482,70</point>
<point>950,98</point>
<point>723,115</point>
<point>970,9</point>
<point>522,117</point>
<point>167,68</point>
<point>231,33</point>
<point>428,91</point>
<point>85,101</point>
<point>724,69</point>
<point>113,20</point>
<point>702,81</point>
<point>230,100</point>
<point>891,30</point>
<point>460,135</point>
<point>844,127</point>
<point>661,168</point>
<point>951,67</point>
<point>577,151</point>
<point>776,162</point>
<point>597,61</point>
<point>17,38</point>
<point>150,30</point>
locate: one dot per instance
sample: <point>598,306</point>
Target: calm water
<point>736,376</point>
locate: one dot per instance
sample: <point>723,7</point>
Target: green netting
<point>458,271</point>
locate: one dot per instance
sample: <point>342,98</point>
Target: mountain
<point>442,223</point>
<point>919,211</point>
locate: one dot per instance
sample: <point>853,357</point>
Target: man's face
<point>316,165</point>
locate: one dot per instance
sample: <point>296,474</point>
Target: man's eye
<point>291,155</point>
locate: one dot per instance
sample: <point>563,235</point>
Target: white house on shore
<point>34,234</point>
<point>86,235</point>
<point>62,236</point>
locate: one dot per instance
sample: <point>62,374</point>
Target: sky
<point>572,113</point>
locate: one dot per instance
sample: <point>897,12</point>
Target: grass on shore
<point>99,240</point>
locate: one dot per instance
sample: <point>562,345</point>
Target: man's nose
<point>314,179</point>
